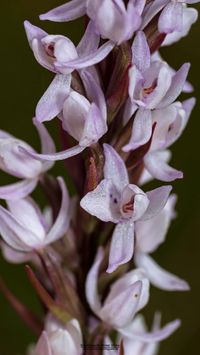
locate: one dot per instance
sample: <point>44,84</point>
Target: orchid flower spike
<point>117,201</point>
<point>127,296</point>
<point>23,226</point>
<point>16,163</point>
<point>170,123</point>
<point>151,83</point>
<point>58,339</point>
<point>112,19</point>
<point>58,53</point>
<point>149,235</point>
<point>84,120</point>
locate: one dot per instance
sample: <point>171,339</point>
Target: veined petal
<point>154,336</point>
<point>122,245</point>
<point>114,168</point>
<point>171,18</point>
<point>65,154</point>
<point>62,221</point>
<point>51,103</point>
<point>159,277</point>
<point>67,12</point>
<point>99,202</point>
<point>176,87</point>
<point>43,345</point>
<point>18,190</point>
<point>140,52</point>
<point>92,283</point>
<point>141,130</point>
<point>159,169</point>
<point>89,42</point>
<point>88,60</point>
<point>158,198</point>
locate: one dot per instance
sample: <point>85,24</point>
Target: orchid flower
<point>23,226</point>
<point>59,340</point>
<point>149,235</point>
<point>127,296</point>
<point>16,163</point>
<point>85,121</point>
<point>117,201</point>
<point>151,83</point>
<point>112,19</point>
<point>170,123</point>
<point>58,54</point>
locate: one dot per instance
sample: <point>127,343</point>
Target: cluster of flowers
<point>115,100</point>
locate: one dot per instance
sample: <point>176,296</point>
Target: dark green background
<point>22,83</point>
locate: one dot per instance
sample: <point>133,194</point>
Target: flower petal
<point>141,130</point>
<point>153,336</point>
<point>67,12</point>
<point>171,18</point>
<point>176,87</point>
<point>51,103</point>
<point>89,42</point>
<point>122,245</point>
<point>33,32</point>
<point>18,190</point>
<point>158,198</point>
<point>62,221</point>
<point>159,277</point>
<point>91,287</point>
<point>98,202</point>
<point>120,311</point>
<point>43,345</point>
<point>114,168</point>
<point>65,154</point>
<point>140,52</point>
<point>159,169</point>
<point>88,60</point>
<point>152,232</point>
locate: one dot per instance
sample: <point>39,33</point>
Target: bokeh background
<point>22,83</point>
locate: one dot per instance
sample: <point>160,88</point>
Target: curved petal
<point>91,287</point>
<point>159,277</point>
<point>61,224</point>
<point>89,60</point>
<point>154,336</point>
<point>171,18</point>
<point>141,130</point>
<point>94,92</point>
<point>99,202</point>
<point>176,87</point>
<point>122,245</point>
<point>51,103</point>
<point>152,10</point>
<point>95,127</point>
<point>152,232</point>
<point>67,12</point>
<point>65,154</point>
<point>114,168</point>
<point>15,234</point>
<point>43,345</point>
<point>18,190</point>
<point>120,311</point>
<point>159,169</point>
<point>141,56</point>
<point>33,32</point>
<point>158,198</point>
<point>89,42</point>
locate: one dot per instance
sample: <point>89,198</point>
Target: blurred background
<point>23,82</point>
